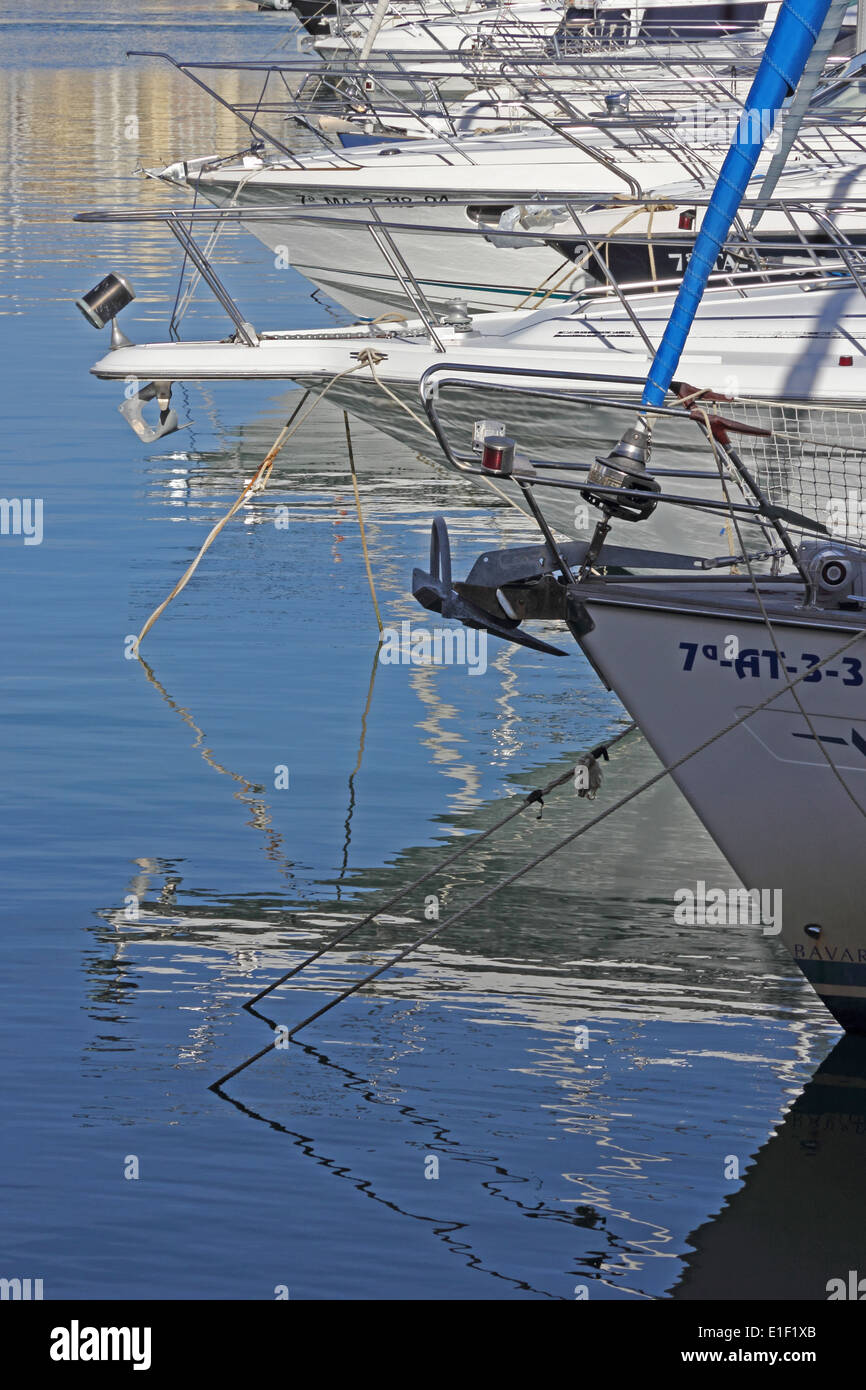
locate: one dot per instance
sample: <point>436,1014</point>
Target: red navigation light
<point>497,455</point>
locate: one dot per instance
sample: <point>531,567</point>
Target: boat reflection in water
<point>794,1229</point>
<point>564,1169</point>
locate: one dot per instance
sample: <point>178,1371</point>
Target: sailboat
<point>750,687</point>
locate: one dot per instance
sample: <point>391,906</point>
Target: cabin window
<point>486,212</point>
<point>701,21</point>
<point>664,21</point>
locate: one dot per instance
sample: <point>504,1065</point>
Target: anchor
<point>101,306</point>
<point>132,411</point>
<point>504,588</point>
<point>435,591</point>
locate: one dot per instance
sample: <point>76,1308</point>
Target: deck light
<point>103,303</point>
<point>497,455</point>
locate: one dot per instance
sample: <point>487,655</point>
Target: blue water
<point>155,877</point>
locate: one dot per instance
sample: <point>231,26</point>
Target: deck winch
<point>837,573</point>
<point>624,469</point>
<point>455,314</point>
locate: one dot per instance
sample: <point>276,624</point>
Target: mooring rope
<point>256,484</point>
<point>368,357</point>
<point>286,1035</point>
<point>533,798</point>
<point>573,266</point>
<point>360,512</point>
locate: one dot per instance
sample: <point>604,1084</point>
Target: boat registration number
<point>752,662</point>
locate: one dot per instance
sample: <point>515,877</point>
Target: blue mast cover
<point>794,33</point>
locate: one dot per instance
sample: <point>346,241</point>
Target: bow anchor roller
<point>101,306</point>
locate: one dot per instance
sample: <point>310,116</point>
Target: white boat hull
<point>346,263</point>
<point>765,791</point>
<point>572,430</point>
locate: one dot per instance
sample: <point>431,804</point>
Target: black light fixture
<point>103,303</point>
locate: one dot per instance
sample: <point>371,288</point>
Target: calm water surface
<point>560,1170</point>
